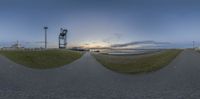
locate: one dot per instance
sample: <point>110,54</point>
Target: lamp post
<point>45,29</point>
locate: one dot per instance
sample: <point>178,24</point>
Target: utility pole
<point>45,29</point>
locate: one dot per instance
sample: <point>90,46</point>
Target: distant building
<point>79,49</point>
<point>14,46</point>
<point>17,45</point>
<point>197,48</point>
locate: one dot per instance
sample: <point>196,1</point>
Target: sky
<point>100,23</point>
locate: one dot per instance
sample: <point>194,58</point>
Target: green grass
<point>137,64</point>
<point>42,59</point>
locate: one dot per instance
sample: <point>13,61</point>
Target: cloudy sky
<point>100,22</point>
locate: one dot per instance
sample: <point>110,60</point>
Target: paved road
<point>87,79</point>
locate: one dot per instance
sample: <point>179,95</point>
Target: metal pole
<point>45,28</point>
<point>45,38</point>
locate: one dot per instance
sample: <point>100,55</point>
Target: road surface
<point>87,79</point>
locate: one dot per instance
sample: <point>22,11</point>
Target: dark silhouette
<point>63,38</point>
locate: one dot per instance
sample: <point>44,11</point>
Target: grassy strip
<point>42,59</point>
<point>134,64</point>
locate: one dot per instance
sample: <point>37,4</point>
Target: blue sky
<point>101,22</point>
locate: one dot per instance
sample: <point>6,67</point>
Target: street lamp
<point>45,29</point>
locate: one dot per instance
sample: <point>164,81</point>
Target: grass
<point>42,59</point>
<point>137,64</point>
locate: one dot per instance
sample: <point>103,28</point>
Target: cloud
<point>114,38</point>
<point>118,36</point>
<point>139,43</point>
<point>86,44</point>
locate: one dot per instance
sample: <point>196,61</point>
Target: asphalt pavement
<point>85,78</point>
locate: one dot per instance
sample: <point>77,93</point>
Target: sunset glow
<point>103,21</point>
